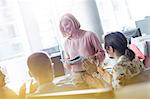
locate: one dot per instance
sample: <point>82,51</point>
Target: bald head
<point>40,65</point>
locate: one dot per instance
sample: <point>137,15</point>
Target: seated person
<point>127,64</point>
<point>5,93</point>
<point>41,69</point>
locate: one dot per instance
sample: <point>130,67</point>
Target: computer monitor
<point>144,25</point>
<point>132,34</point>
<point>52,50</point>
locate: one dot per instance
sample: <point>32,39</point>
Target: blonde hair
<point>70,17</point>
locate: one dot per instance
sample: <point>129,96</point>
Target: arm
<point>66,57</point>
<point>119,76</point>
<point>23,91</point>
<point>105,75</point>
<point>99,52</point>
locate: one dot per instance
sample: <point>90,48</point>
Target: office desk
<point>105,93</point>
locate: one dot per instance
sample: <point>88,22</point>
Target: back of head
<point>40,65</point>
<point>119,43</point>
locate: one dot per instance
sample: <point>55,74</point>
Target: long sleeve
<point>105,75</point>
<point>86,45</point>
<point>119,76</point>
<point>124,70</point>
<point>99,52</point>
<point>66,57</point>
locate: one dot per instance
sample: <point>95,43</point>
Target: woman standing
<point>79,43</point>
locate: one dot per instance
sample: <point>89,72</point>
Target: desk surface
<point>78,94</point>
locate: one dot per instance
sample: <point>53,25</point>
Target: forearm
<point>105,75</point>
<point>67,66</point>
<point>100,55</point>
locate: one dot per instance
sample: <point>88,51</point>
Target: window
<point>12,41</point>
<point>121,14</point>
<point>44,15</point>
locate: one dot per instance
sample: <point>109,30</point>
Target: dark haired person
<point>41,69</point>
<point>127,64</point>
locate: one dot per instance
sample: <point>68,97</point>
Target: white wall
<point>30,24</point>
<point>84,10</point>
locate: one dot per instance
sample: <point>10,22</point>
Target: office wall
<point>84,10</point>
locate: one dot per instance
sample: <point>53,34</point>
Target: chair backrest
<point>143,43</point>
<point>147,54</point>
<point>147,48</point>
<point>137,51</point>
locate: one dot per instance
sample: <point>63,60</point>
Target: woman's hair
<point>118,42</point>
<point>70,17</point>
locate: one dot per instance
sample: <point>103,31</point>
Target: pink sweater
<point>79,42</point>
<point>84,44</point>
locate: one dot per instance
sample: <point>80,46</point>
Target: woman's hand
<point>90,66</point>
<point>67,66</point>
<point>33,87</point>
<point>105,75</point>
<point>100,70</point>
<point>92,59</point>
<point>23,89</point>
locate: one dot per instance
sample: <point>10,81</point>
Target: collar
<point>122,57</point>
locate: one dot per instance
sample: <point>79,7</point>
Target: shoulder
<point>121,63</point>
<point>89,33</point>
<point>139,64</point>
<point>134,63</point>
<point>124,64</point>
